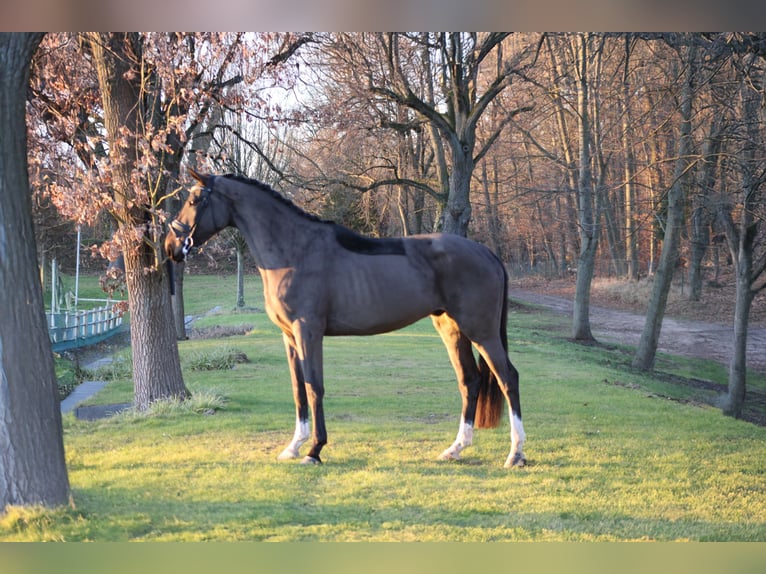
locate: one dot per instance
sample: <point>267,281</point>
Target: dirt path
<point>678,337</point>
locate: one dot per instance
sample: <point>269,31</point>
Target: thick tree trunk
<point>32,465</point>
<point>156,365</point>
<point>647,346</point>
<point>456,214</point>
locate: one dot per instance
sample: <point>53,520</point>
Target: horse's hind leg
<point>508,378</point>
<point>462,359</point>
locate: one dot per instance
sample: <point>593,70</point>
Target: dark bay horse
<point>320,278</point>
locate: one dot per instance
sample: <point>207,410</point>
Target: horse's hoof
<point>515,461</point>
<point>287,454</point>
<point>449,454</point>
<point>310,460</point>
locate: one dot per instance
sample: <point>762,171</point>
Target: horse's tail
<point>489,409</point>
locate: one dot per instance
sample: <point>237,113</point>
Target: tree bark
<point>631,229</point>
<point>456,214</point>
<point>701,216</point>
<point>568,228</point>
<point>156,364</point>
<point>588,220</point>
<point>240,248</point>
<point>742,240</point>
<point>734,400</point>
<point>32,464</point>
<point>647,347</point>
<point>177,300</point>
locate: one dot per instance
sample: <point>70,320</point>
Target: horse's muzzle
<point>177,249</point>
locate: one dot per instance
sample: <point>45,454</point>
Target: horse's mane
<point>266,188</point>
<point>347,238</point>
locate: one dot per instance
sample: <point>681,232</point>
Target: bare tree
<point>447,81</point>
<point>647,347</point>
<point>32,465</point>
<point>624,105</point>
<point>702,204</point>
<point>589,211</point>
<point>743,215</point>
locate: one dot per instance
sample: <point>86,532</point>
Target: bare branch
<point>288,48</point>
<point>499,129</point>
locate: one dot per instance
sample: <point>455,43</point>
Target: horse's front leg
<point>302,428</point>
<point>315,396</point>
<point>308,344</point>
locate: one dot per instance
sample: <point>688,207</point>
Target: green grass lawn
<point>613,454</point>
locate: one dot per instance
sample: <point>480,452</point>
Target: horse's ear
<point>200,178</point>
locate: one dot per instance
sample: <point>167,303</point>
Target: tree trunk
<point>567,223</point>
<point>491,210</point>
<point>240,275</point>
<point>700,220</point>
<point>655,179</point>
<point>613,239</point>
<point>156,364</point>
<point>456,214</point>
<point>588,221</point>
<point>32,464</point>
<point>647,347</point>
<point>631,229</point>
<point>177,300</point>
<point>734,399</point>
<point>742,241</point>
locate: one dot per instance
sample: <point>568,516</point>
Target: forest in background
<point>329,126</point>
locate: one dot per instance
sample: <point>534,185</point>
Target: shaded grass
<point>610,458</point>
<point>68,376</point>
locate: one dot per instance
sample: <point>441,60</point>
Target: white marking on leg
<point>301,435</point>
<point>464,439</point>
<point>518,436</point>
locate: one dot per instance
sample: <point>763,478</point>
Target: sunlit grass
<point>200,402</point>
<point>610,456</point>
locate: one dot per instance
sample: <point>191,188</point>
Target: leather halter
<point>184,231</point>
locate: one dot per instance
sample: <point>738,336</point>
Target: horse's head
<point>203,215</point>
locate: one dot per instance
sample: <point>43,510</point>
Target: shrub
<point>219,359</point>
<point>200,402</point>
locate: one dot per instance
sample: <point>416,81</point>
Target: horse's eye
<point>193,201</point>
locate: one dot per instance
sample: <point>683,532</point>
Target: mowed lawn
<point>612,456</point>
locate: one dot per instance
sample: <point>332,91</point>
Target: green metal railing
<point>73,329</point>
